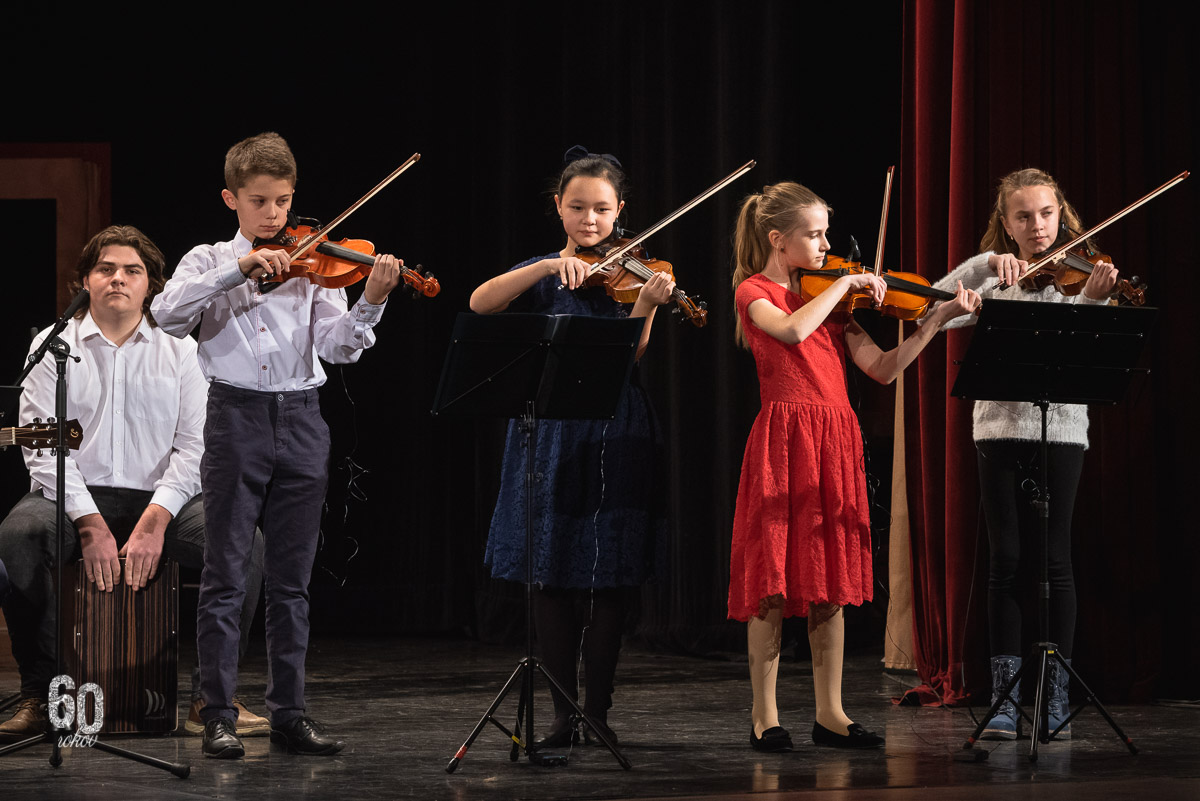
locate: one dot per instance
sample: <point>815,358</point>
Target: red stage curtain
<point>1098,95</point>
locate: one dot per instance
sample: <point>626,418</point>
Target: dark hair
<point>579,162</point>
<point>265,154</point>
<point>128,236</point>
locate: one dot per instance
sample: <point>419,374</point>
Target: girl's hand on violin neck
<point>657,290</point>
<point>384,277</point>
<point>264,263</point>
<point>571,271</point>
<point>1007,267</point>
<point>966,301</point>
<point>868,283</point>
<point>1101,282</point>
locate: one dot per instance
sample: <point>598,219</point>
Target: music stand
<point>1047,353</point>
<point>533,366</point>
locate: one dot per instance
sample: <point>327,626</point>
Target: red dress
<point>801,528</point>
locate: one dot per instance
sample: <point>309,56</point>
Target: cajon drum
<point>127,643</point>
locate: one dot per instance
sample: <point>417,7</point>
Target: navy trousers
<point>266,458</point>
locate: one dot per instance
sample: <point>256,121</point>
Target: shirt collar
<point>241,245</point>
<point>89,329</point>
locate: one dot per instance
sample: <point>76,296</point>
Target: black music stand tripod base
<point>531,366</point>
<point>51,738</point>
<point>1045,353</point>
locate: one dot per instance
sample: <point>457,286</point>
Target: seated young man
<point>133,487</point>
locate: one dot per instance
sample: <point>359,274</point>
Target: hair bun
<point>580,152</point>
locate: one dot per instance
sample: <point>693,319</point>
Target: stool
<point>127,643</point>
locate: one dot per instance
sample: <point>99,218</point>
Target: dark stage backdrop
<point>682,93</point>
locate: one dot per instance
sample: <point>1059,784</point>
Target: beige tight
<point>826,635</point>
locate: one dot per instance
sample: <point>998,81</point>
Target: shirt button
<point>279,397</point>
<point>264,367</point>
<point>264,330</point>
<point>118,411</point>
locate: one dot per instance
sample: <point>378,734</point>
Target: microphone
<point>78,301</point>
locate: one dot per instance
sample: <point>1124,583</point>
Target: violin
<point>335,264</point>
<point>1072,271</point>
<point>332,265</point>
<point>908,295</point>
<point>1078,255</point>
<point>624,277</point>
<point>623,267</point>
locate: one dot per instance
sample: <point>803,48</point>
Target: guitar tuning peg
<point>37,419</point>
<point>39,452</point>
<point>50,420</point>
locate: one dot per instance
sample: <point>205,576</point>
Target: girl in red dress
<point>801,533</point>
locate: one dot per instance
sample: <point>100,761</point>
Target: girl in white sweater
<point>1029,216</point>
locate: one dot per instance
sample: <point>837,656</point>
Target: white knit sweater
<point>1065,423</point>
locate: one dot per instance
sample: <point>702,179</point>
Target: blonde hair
<point>996,239</point>
<point>777,208</point>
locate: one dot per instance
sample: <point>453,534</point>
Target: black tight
<point>1004,465</point>
<point>562,618</point>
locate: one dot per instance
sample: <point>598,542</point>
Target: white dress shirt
<point>268,343</point>
<point>141,407</point>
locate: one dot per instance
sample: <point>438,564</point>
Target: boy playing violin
<point>266,446</point>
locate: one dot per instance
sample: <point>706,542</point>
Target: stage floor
<point>404,706</point>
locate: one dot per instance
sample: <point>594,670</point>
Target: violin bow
<point>883,218</point>
<point>620,253</point>
<point>1059,252</point>
<point>315,236</point>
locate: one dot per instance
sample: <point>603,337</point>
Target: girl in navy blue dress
<point>597,512</point>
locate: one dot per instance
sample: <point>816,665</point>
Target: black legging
<point>1004,465</point>
<point>560,616</point>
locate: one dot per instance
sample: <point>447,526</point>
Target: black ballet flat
<point>857,738</point>
<point>591,738</point>
<point>562,733</point>
<point>774,740</point>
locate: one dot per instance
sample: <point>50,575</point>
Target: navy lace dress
<point>597,504</point>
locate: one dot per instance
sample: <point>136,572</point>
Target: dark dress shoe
<point>562,733</point>
<point>774,740</point>
<point>305,736</point>
<point>858,737</point>
<point>221,740</point>
<point>602,726</point>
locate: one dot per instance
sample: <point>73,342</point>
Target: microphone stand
<point>53,735</point>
